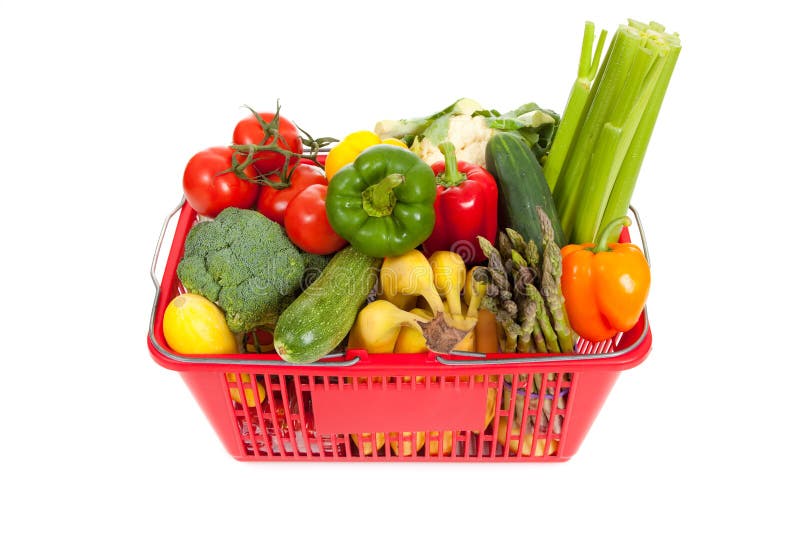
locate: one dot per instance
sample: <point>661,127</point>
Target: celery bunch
<point>598,150</point>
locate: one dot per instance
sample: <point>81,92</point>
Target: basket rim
<point>629,356</point>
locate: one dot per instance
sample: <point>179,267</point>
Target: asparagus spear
<point>528,250</point>
<point>538,336</point>
<point>511,329</point>
<point>532,338</point>
<point>517,241</point>
<point>556,308</point>
<point>481,277</point>
<point>524,343</point>
<point>551,284</point>
<point>550,337</point>
<point>491,297</point>
<point>534,260</point>
<point>495,268</point>
<point>510,307</point>
<point>493,257</point>
<point>499,298</point>
<point>504,245</point>
<point>521,274</point>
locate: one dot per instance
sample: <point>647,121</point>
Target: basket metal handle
<point>641,232</point>
<point>159,244</point>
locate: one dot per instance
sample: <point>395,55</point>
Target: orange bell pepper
<point>605,286</point>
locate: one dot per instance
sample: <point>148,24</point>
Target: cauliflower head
<point>469,127</point>
<point>245,263</point>
<point>468,134</point>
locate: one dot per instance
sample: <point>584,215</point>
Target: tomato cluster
<point>264,169</point>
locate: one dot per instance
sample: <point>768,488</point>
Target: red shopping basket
<point>357,406</point>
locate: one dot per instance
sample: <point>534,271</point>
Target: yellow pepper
<point>350,147</point>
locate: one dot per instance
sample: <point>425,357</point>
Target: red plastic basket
<point>357,406</point>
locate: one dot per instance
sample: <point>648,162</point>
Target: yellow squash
<point>247,386</point>
<point>409,448</point>
<point>410,340</point>
<point>449,276</point>
<point>411,274</point>
<point>195,325</point>
<point>378,326</point>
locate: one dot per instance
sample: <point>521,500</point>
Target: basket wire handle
<point>641,233</point>
<point>157,253</point>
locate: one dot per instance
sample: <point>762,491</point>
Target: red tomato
<point>307,224</point>
<point>272,202</point>
<point>208,190</point>
<point>248,131</point>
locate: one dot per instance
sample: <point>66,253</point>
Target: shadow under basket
<point>355,406</point>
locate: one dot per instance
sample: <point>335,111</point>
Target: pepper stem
<point>378,200</point>
<point>451,176</point>
<point>602,241</point>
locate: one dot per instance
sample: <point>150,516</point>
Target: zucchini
<point>522,186</point>
<point>319,319</point>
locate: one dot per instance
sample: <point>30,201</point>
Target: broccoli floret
<point>245,263</point>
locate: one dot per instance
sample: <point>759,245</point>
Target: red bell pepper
<point>465,205</point>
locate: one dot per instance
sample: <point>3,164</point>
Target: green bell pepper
<point>382,203</point>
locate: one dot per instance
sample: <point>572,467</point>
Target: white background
<point>102,104</point>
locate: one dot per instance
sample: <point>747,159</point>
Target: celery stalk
<point>623,122</point>
<point>576,104</point>
<point>602,99</point>
<point>601,164</point>
<point>619,200</point>
<point>599,171</point>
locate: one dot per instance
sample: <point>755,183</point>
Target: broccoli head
<point>245,263</point>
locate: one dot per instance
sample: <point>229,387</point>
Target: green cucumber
<point>522,186</point>
<point>319,319</point>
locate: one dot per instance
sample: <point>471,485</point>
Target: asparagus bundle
<point>524,291</point>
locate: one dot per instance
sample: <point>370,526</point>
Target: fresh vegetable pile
<point>464,230</point>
